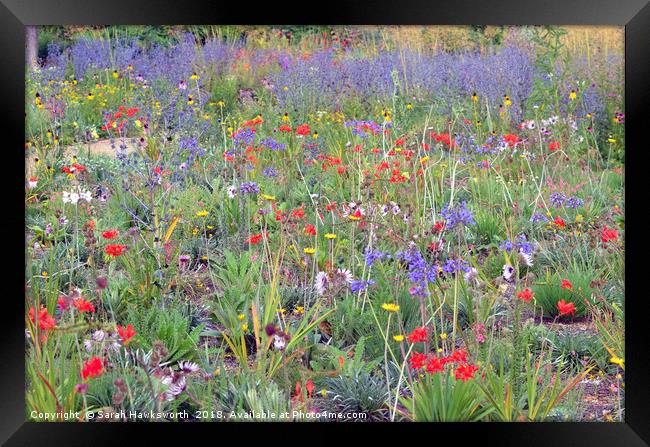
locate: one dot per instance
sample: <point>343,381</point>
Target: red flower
<point>303,129</point>
<point>285,128</point>
<point>45,321</point>
<point>559,222</point>
<point>83,306</point>
<point>566,308</point>
<point>310,387</point>
<point>465,372</point>
<point>417,360</point>
<point>434,365</point>
<point>298,213</point>
<point>459,356</point>
<point>255,239</point>
<point>609,234</point>
<point>110,234</point>
<point>555,145</point>
<point>525,295</point>
<point>418,335</point>
<point>126,334</point>
<point>114,250</point>
<point>92,368</point>
<point>132,111</point>
<point>566,284</point>
<point>438,226</point>
<point>511,139</point>
<point>309,229</point>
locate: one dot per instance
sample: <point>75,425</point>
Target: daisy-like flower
<point>390,307</point>
<point>525,258</point>
<point>345,275</point>
<point>321,282</point>
<point>188,367</point>
<point>508,272</point>
<point>232,191</point>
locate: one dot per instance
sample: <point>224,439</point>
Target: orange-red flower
<point>418,335</point>
<point>310,230</point>
<point>110,234</point>
<point>525,295</point>
<point>465,372</point>
<point>566,308</point>
<point>303,129</point>
<point>83,306</point>
<point>46,322</point>
<point>566,284</point>
<point>126,334</point>
<point>92,368</point>
<point>114,250</point>
<point>559,222</point>
<point>609,234</point>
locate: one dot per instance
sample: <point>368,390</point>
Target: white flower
<point>508,272</point>
<point>188,367</point>
<point>526,258</point>
<point>346,275</point>
<point>279,342</point>
<point>471,277</point>
<point>530,124</point>
<point>232,191</point>
<point>384,210</point>
<point>99,335</point>
<point>320,283</point>
<point>86,195</point>
<point>32,183</point>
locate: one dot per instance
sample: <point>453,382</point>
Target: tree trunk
<point>32,46</point>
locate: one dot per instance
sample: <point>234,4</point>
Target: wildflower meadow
<point>229,223</point>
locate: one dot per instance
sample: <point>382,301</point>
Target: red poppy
<point>525,295</point>
<point>566,284</point>
<point>566,308</point>
<point>110,234</point>
<point>126,334</point>
<point>418,335</point>
<point>609,234</point>
<point>114,250</point>
<point>92,368</point>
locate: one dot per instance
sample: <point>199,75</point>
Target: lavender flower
<point>457,215</point>
<point>249,188</point>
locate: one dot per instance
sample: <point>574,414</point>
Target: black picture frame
<point>16,14</point>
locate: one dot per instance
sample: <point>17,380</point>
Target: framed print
<point>385,214</point>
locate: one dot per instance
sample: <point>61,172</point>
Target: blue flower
<point>457,216</point>
<point>249,188</point>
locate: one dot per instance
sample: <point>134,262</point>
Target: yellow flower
<point>206,116</point>
<point>398,338</point>
<point>617,361</point>
<point>217,371</point>
<point>506,100</point>
<point>285,117</point>
<point>300,310</point>
<point>138,123</point>
<point>443,336</point>
<point>309,250</point>
<point>579,218</point>
<point>611,140</point>
<point>285,88</point>
<point>268,197</point>
<point>390,307</point>
<point>90,96</point>
<point>190,101</point>
<point>409,106</point>
<point>115,74</point>
<point>202,213</point>
<point>244,327</point>
<point>330,236</point>
<point>241,317</point>
<point>573,95</point>
<point>194,76</point>
<point>323,392</point>
<point>220,103</point>
<point>475,97</point>
<point>315,136</point>
<point>44,274</point>
<point>424,159</point>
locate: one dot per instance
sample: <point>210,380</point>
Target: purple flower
<point>537,217</point>
<point>457,215</point>
<point>557,199</point>
<point>374,255</point>
<point>249,188</point>
<point>358,285</point>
